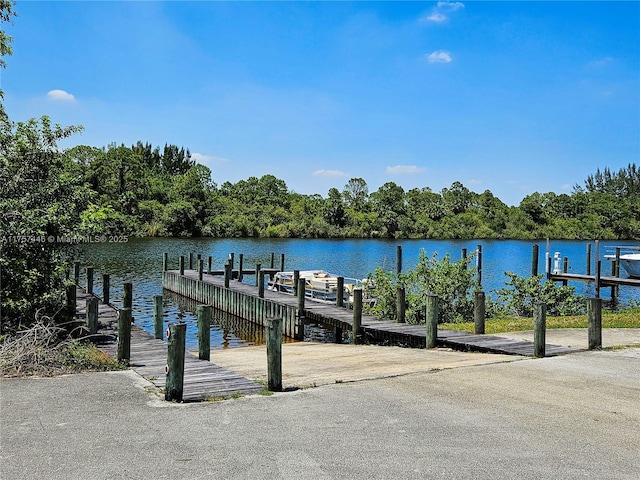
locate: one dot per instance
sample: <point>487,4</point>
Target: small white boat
<point>629,260</point>
<point>319,285</point>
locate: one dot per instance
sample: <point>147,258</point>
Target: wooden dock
<point>202,379</point>
<point>242,300</point>
<point>604,281</point>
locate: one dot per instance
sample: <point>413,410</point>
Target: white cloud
<point>60,96</point>
<point>450,5</point>
<point>401,169</point>
<point>439,56</point>
<point>329,173</point>
<point>435,17</point>
<point>201,158</point>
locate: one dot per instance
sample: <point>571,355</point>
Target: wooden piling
<point>165,262</point>
<point>539,328</point>
<point>400,305</point>
<point>399,259</point>
<point>296,281</point>
<point>124,335</point>
<point>431,315</point>
<point>209,261</point>
<point>534,260</point>
<point>92,315</point>
<point>181,264</point>
<point>158,317</point>
<point>258,268</point>
<point>273,259</point>
<point>340,292</point>
<point>71,301</point>
<point>90,280</point>
<point>565,269</point>
<point>282,262</point>
<point>479,311</point>
<point>176,336</point>
<point>190,260</point>
<point>479,264</point>
<point>594,322</point>
<point>200,268</point>
<point>301,296</point>
<point>274,354</point>
<point>227,274</point>
<point>464,253</point>
<point>588,259</point>
<point>357,315</point>
<point>240,265</point>
<point>127,295</point>
<point>597,279</point>
<point>106,288</point>
<point>204,314</point>
<point>261,284</point>
<point>76,272</point>
<point>232,260</point>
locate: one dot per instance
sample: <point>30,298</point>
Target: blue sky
<point>514,97</point>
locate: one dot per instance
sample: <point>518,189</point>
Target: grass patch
<point>627,319</point>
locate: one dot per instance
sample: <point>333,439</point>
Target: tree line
<point>151,191</point>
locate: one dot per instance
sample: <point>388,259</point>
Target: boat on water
<point>319,285</point>
<point>629,260</point>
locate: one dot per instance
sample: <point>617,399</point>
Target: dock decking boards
<point>374,329</point>
<point>202,379</point>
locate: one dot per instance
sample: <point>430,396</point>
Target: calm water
<point>140,262</point>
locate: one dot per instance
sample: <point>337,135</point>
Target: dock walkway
<point>373,329</point>
<point>203,380</point>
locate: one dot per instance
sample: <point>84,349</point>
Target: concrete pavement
<point>576,416</point>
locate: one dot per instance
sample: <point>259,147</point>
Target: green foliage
<point>521,294</point>
<point>451,281</point>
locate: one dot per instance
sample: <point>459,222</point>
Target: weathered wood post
<point>565,269</point>
<point>232,260</point>
<point>338,332</point>
<point>400,305</point>
<point>76,272</point>
<point>124,335</point>
<point>71,301</point>
<point>479,265</point>
<point>261,284</point>
<point>296,281</point>
<point>539,328</point>
<point>282,262</point>
<point>209,261</point>
<point>258,268</point>
<point>399,259</point>
<point>534,260</point>
<point>274,354</point>
<point>190,260</point>
<point>200,269</point>
<point>198,258</point>
<point>158,316</point>
<point>181,264</point>
<point>594,322</point>
<point>357,315</point>
<point>431,315</point>
<point>204,313</point>
<point>240,266</point>
<point>464,253</point>
<point>273,259</point>
<point>176,336</point>
<point>89,279</point>
<point>92,315</point>
<point>588,259</point>
<point>597,279</point>
<point>479,311</point>
<point>300,294</point>
<point>227,274</point>
<point>106,288</point>
<point>127,295</point>
<point>340,292</point>
<point>165,262</point>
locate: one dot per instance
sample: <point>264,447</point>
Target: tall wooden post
<point>76,272</point>
<point>357,315</point>
<point>124,335</point>
<point>588,259</point>
<point>273,259</point>
<point>565,269</point>
<point>400,305</point>
<point>258,268</point>
<point>464,253</point>
<point>597,279</point>
<point>274,354</point>
<point>534,260</point>
<point>71,301</point>
<point>399,259</point>
<point>299,333</point>
<point>594,322</point>
<point>89,279</point>
<point>431,314</point>
<point>176,336</point>
<point>479,311</point>
<point>181,264</point>
<point>209,261</point>
<point>340,292</point>
<point>232,260</point>
<point>261,284</point>
<point>92,315</point>
<point>227,274</point>
<point>165,262</point>
<point>282,262</point>
<point>240,266</point>
<point>158,317</point>
<point>296,282</point>
<point>539,328</point>
<point>204,314</point>
<point>200,269</point>
<point>190,260</point>
<point>106,288</point>
<point>479,265</point>
<point>127,295</point>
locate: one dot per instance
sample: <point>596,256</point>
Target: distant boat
<point>629,260</point>
<point>319,285</point>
